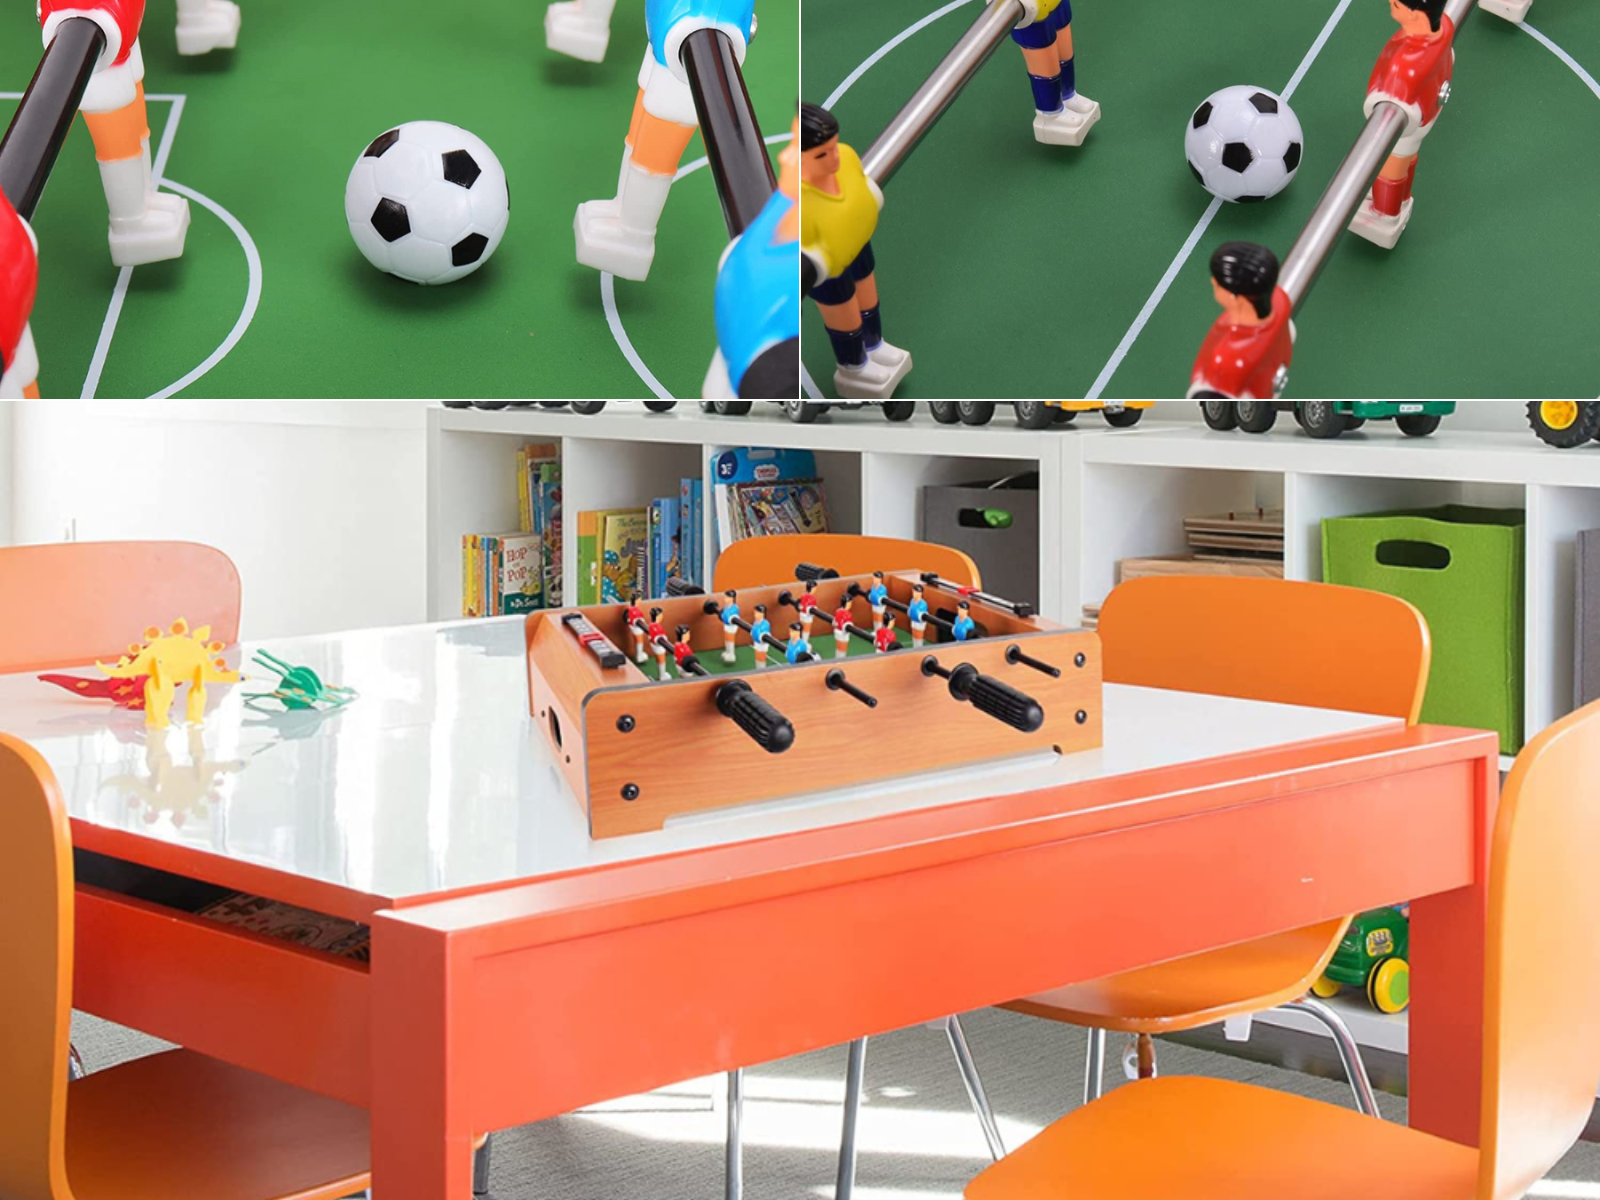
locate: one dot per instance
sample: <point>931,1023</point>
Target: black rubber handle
<point>806,572</point>
<point>996,699</point>
<point>682,587</point>
<point>767,727</point>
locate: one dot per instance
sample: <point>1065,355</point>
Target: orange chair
<point>172,1124</point>
<point>1200,1138</point>
<point>67,604</point>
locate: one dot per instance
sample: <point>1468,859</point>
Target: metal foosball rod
<point>912,123</point>
<point>39,127</point>
<point>734,146</point>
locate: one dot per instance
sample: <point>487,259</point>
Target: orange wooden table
<point>520,970</point>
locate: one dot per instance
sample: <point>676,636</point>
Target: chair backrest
<point>35,976</point>
<point>67,604</point>
<point>1541,1026</point>
<point>1312,644</point>
<point>759,561</point>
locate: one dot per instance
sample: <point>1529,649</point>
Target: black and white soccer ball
<point>1244,144</point>
<point>427,201</point>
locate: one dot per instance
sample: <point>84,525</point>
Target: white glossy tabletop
<point>436,780</point>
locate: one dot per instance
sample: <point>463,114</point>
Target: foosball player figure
<point>619,234</point>
<point>1063,118</point>
<point>207,25</point>
<point>964,627</point>
<point>843,621</point>
<point>757,307</point>
<point>838,215</point>
<point>656,632</point>
<point>19,281</point>
<point>636,629</point>
<point>917,614</point>
<point>807,604</point>
<point>146,225</point>
<point>729,615</point>
<point>683,654</point>
<point>1246,355</point>
<point>886,638</point>
<point>878,597</point>
<point>579,28</point>
<point>760,630</point>
<point>1413,72</point>
<point>798,648</point>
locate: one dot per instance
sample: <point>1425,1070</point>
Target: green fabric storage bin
<point>1463,568</point>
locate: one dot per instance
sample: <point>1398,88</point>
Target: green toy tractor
<point>1565,424</point>
<point>1375,957</point>
<point>1325,418</point>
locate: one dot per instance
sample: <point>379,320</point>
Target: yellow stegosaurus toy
<point>168,659</point>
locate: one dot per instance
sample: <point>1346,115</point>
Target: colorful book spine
<point>624,542</point>
<point>520,575</point>
<point>589,558</point>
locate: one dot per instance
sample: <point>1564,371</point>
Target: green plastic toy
<point>1326,418</point>
<point>1374,956</point>
<point>299,687</point>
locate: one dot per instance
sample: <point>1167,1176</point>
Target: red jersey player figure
<point>636,629</point>
<point>656,632</point>
<point>843,619</point>
<point>19,280</point>
<point>1247,353</point>
<point>683,652</point>
<point>886,639</point>
<point>1413,72</point>
<point>807,604</point>
<point>146,225</point>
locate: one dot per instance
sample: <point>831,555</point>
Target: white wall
<point>320,503</point>
<point>1492,415</point>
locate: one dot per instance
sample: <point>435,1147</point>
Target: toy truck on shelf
<point>1374,956</point>
<point>1565,424</point>
<point>1325,418</point>
<point>1038,414</point>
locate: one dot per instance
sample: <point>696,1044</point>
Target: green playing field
<point>1013,269</point>
<point>261,139</point>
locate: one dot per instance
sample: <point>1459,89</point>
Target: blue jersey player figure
<point>917,614</point>
<point>619,234</point>
<point>729,615</point>
<point>757,304</point>
<point>1062,117</point>
<point>760,630</point>
<point>878,597</point>
<point>964,628</point>
<point>798,649</point>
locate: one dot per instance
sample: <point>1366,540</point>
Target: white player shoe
<point>1512,10</point>
<point>154,237</point>
<point>569,30</point>
<point>873,380</point>
<point>886,355</point>
<point>215,26</point>
<point>1069,126</point>
<point>1380,228</point>
<point>619,235</point>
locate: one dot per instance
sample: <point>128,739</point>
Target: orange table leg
<point>1448,935</point>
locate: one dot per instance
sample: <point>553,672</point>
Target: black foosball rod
<point>38,128</point>
<point>737,155</point>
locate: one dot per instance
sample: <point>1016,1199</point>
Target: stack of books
<point>761,491</point>
<point>625,552</point>
<point>520,570</point>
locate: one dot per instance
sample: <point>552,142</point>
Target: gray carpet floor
<point>919,1140</point>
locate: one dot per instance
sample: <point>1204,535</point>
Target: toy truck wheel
<point>1221,415</point>
<point>1565,424</point>
<point>1389,986</point>
<point>661,405</point>
<point>1322,419</point>
<point>976,412</point>
<point>946,412</point>
<point>802,412</point>
<point>899,410</point>
<point>1418,424</point>
<point>1123,418</point>
<point>1325,988</point>
<point>588,407</point>
<point>1033,414</point>
<point>1256,416</point>
<point>733,408</point>
<point>1064,416</point>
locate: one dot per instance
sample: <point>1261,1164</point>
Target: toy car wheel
<point>733,408</point>
<point>1123,418</point>
<point>588,407</point>
<point>1221,415</point>
<point>946,412</point>
<point>1418,424</point>
<point>1322,419</point>
<point>1064,416</point>
<point>1565,424</point>
<point>975,412</point>
<point>1389,986</point>
<point>802,411</point>
<point>661,405</point>
<point>1256,416</point>
<point>1033,414</point>
<point>899,410</point>
<point>1325,988</point>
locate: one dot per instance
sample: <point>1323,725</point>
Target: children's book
<point>521,576</point>
<point>753,465</point>
<point>589,557</point>
<point>665,550</point>
<point>624,550</point>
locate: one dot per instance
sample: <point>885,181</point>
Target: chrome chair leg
<point>975,1092</point>
<point>1094,1072</point>
<point>734,1171</point>
<point>1349,1052</point>
<point>480,1167</point>
<point>855,1077</point>
<point>75,1068</point>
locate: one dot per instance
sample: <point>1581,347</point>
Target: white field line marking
<point>119,293</point>
<point>873,58</point>
<point>608,295</point>
<point>1177,265</point>
<point>809,384</point>
<point>252,295</point>
<point>1564,57</point>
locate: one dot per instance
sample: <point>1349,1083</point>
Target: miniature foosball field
<point>271,297</point>
<point>1013,268</point>
<point>693,702</point>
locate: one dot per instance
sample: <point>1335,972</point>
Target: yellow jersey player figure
<point>1063,117</point>
<point>838,213</point>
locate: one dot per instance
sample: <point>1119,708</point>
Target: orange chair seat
<point>181,1124</point>
<point>1200,1139</point>
<point>1203,989</point>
